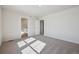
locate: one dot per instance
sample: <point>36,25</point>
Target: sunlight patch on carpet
<point>28,50</point>
<point>21,43</point>
<point>29,40</point>
<point>38,46</point>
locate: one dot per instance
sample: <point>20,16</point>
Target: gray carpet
<point>53,46</point>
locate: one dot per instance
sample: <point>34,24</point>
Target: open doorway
<point>41,27</point>
<point>24,28</point>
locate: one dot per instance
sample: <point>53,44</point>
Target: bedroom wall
<point>31,26</point>
<point>37,26</point>
<point>63,25</point>
<point>0,25</point>
<point>11,25</point>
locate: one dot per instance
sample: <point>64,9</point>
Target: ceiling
<point>38,10</point>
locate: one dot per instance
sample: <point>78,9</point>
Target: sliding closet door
<point>42,27</point>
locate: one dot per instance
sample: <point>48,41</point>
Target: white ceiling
<point>37,10</point>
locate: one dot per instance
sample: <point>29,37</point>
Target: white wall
<point>31,26</point>
<point>0,25</point>
<point>11,25</point>
<point>37,27</point>
<point>63,25</point>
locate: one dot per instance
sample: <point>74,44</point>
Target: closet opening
<point>24,28</point>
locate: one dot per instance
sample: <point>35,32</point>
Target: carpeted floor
<point>49,46</point>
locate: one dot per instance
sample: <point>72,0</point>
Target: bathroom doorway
<point>24,28</point>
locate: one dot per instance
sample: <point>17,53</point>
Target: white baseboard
<point>68,40</point>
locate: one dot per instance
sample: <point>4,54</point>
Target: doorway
<point>24,28</point>
<point>41,27</point>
